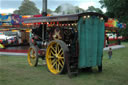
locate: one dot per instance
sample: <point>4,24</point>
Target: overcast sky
<point>8,6</point>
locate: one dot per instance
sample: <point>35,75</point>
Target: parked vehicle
<point>7,40</point>
<point>68,42</point>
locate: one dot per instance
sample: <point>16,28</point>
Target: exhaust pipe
<point>44,13</point>
<point>44,3</point>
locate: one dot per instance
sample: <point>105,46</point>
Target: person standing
<point>110,53</point>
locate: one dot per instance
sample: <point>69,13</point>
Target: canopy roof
<point>73,17</point>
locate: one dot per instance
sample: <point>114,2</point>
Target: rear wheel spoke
<point>60,51</point>
<point>57,47</point>
<point>61,58</point>
<point>50,57</point>
<point>61,54</point>
<point>53,64</point>
<point>58,67</point>
<point>52,53</point>
<point>53,49</point>
<point>53,61</point>
<point>60,64</point>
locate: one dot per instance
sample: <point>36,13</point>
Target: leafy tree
<point>109,14</point>
<point>27,8</point>
<point>58,9</point>
<point>124,32</point>
<point>16,11</point>
<point>93,9</point>
<point>117,9</point>
<point>49,11</point>
<point>79,10</point>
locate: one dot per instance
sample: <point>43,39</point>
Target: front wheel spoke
<point>33,61</point>
<point>31,56</point>
<point>32,51</point>
<point>34,54</point>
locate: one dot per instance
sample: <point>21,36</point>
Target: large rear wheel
<point>55,56</point>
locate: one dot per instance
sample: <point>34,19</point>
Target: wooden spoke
<point>55,57</point>
<point>50,57</point>
<point>53,61</point>
<point>53,53</point>
<point>60,64</point>
<point>60,51</point>
<point>53,49</point>
<point>53,64</point>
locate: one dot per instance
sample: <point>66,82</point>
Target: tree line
<point>115,9</point>
<point>29,8</point>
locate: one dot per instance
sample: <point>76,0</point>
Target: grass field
<point>14,70</point>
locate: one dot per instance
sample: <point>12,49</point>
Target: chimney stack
<point>44,13</point>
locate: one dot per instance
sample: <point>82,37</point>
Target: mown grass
<point>14,70</point>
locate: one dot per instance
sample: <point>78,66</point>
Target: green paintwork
<point>91,41</point>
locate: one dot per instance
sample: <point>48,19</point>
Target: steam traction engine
<point>68,42</point>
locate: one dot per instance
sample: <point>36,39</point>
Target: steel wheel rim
<point>31,56</point>
<point>55,58</point>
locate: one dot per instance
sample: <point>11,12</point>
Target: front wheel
<point>33,56</point>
